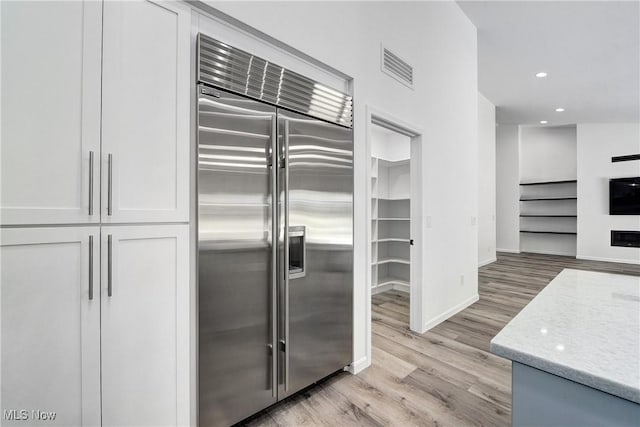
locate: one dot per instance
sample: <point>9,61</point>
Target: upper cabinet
<point>95,112</point>
<point>51,53</point>
<point>145,112</point>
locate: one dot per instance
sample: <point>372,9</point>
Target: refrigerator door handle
<point>272,160</point>
<point>285,165</point>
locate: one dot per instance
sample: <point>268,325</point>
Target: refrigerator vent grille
<point>235,70</point>
<point>396,67</point>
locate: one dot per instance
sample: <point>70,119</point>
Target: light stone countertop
<point>585,327</point>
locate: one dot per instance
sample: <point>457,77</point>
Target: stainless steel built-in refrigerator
<point>275,250</point>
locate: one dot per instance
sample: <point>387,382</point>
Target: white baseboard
<point>550,253</point>
<point>596,258</point>
<point>402,288</point>
<point>383,288</point>
<point>453,310</point>
<point>389,286</point>
<point>487,262</point>
<point>359,365</point>
<point>509,251</point>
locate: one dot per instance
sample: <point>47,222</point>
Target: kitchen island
<point>576,352</point>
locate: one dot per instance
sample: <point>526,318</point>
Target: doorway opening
<point>390,225</point>
<point>395,281</point>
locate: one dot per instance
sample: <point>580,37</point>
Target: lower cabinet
<point>50,350</point>
<point>94,326</point>
<point>145,325</point>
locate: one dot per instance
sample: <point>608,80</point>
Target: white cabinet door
<point>145,112</point>
<point>50,328</point>
<point>145,331</point>
<point>51,53</point>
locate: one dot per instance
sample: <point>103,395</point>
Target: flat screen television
<point>624,196</point>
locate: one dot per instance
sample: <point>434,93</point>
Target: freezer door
<point>316,250</point>
<point>236,257</point>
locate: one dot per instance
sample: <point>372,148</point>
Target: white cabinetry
<point>145,373</point>
<point>51,54</point>
<point>58,345</point>
<point>50,327</point>
<point>80,81</point>
<point>145,112</point>
<point>56,57</point>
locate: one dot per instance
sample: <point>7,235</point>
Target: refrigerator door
<point>236,257</point>
<point>316,249</point>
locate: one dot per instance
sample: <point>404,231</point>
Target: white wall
<point>507,188</point>
<point>486,181</point>
<point>547,153</point>
<point>441,43</point>
<point>597,143</point>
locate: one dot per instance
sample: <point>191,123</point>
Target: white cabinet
<point>91,355</point>
<point>50,328</point>
<point>145,291</point>
<point>108,81</point>
<point>145,112</point>
<point>70,69</point>
<point>51,53</point>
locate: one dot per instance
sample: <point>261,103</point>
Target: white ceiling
<point>590,50</point>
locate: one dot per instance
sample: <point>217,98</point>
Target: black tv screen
<point>624,196</point>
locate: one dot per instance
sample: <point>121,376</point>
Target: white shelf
<point>391,280</point>
<point>390,212</point>
<point>393,199</point>
<point>548,221</point>
<point>391,163</point>
<point>394,260</point>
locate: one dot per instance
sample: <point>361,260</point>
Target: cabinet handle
<point>109,184</point>
<point>109,265</point>
<point>90,182</point>
<point>90,268</point>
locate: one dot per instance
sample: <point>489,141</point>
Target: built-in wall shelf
<point>391,225</point>
<point>548,216</point>
<point>549,219</point>
<point>393,199</point>
<point>547,198</point>
<point>627,158</point>
<point>391,280</point>
<point>549,232</point>
<point>392,163</point>
<point>395,260</point>
<point>570,181</point>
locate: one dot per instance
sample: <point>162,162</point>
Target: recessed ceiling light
<point>543,122</point>
<point>560,110</point>
<point>541,74</point>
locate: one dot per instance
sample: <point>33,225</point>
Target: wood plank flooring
<point>445,377</point>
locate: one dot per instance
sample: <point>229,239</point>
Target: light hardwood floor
<point>445,377</point>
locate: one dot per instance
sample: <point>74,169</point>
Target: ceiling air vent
<point>395,67</point>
